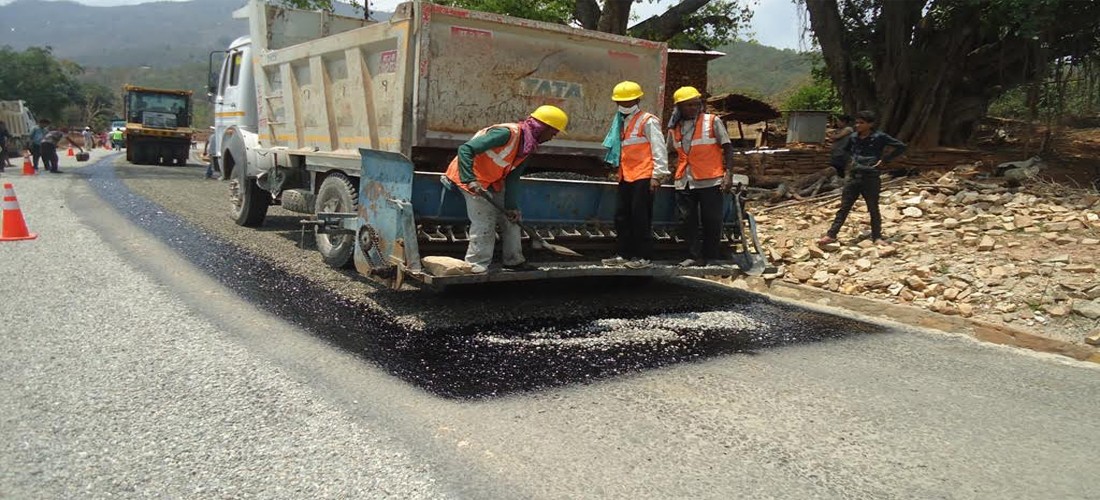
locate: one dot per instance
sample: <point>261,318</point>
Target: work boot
<point>522,266</point>
<point>639,264</point>
<point>613,261</point>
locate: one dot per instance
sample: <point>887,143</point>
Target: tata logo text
<point>539,87</point>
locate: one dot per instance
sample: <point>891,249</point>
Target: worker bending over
<point>490,165</point>
<point>704,168</point>
<point>636,148</point>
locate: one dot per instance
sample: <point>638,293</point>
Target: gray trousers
<point>484,219</point>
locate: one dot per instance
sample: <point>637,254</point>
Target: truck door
<point>229,108</point>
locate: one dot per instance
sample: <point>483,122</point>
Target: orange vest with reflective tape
<point>705,157</point>
<point>492,166</point>
<point>636,159</point>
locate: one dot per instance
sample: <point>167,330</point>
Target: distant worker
<point>704,169</point>
<point>490,165</point>
<point>89,139</point>
<point>839,138</point>
<point>5,138</point>
<point>49,150</point>
<point>37,134</point>
<point>866,149</point>
<point>636,148</point>
<point>116,139</point>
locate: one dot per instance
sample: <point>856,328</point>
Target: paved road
<point>129,371</point>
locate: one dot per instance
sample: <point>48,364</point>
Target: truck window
<point>235,69</point>
<point>224,80</point>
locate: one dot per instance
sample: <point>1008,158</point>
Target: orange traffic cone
<point>15,228</point>
<point>71,151</point>
<point>28,168</point>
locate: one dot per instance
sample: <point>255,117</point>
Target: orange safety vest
<point>705,156</point>
<point>492,166</point>
<point>636,159</point>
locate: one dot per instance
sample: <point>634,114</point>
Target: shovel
<point>536,241</point>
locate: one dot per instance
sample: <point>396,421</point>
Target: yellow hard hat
<point>685,94</point>
<point>626,91</point>
<point>552,116</point>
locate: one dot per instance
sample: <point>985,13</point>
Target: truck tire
<point>337,194</point>
<point>248,203</point>
<point>130,153</point>
<point>141,154</point>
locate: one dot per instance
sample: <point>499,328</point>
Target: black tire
<point>141,154</point>
<point>130,154</point>
<point>247,202</point>
<point>337,194</point>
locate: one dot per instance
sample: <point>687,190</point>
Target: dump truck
<point>352,122</point>
<point>20,121</point>
<point>158,125</point>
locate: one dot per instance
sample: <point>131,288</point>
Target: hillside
<point>157,35</point>
<point>758,70</point>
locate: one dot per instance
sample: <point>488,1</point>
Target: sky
<point>774,23</point>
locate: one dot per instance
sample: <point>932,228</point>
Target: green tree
<point>36,76</point>
<point>931,67</point>
<point>813,96</point>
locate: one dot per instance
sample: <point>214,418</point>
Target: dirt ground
<point>1026,256</point>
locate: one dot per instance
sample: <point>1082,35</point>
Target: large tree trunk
<point>616,16</point>
<point>930,82</point>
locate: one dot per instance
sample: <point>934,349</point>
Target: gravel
<point>113,388</point>
<point>607,332</point>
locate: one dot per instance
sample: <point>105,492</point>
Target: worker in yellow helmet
<point>490,165</point>
<point>704,168</point>
<point>636,148</point>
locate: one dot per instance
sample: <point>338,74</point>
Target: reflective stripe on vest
<point>705,156</point>
<point>636,160</point>
<point>492,166</point>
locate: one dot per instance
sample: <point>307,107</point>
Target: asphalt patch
<point>494,358</point>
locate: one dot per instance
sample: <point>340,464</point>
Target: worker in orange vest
<point>704,162</point>
<point>490,165</point>
<point>636,147</point>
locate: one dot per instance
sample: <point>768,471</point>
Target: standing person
<point>89,139</point>
<point>866,149</point>
<point>5,138</point>
<point>636,148</point>
<point>37,134</point>
<point>839,138</point>
<point>490,165</point>
<point>49,150</point>
<point>116,139</point>
<point>704,169</point>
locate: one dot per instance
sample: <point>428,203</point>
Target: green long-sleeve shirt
<point>493,138</point>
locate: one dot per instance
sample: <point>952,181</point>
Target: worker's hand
<point>513,216</point>
<point>654,184</point>
<point>727,183</point>
<point>475,187</point>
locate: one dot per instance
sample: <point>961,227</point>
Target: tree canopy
<point>705,22</point>
<point>932,67</point>
<point>36,76</point>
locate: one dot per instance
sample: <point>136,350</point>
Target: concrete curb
<point>981,330</point>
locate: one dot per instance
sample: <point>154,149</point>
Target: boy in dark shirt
<point>866,150</point>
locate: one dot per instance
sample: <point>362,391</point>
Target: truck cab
<point>233,91</point>
<point>158,125</point>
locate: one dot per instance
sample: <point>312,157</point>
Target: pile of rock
<point>958,247</point>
